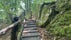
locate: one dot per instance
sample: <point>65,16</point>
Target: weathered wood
<point>4,31</point>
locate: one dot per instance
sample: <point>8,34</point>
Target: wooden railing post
<point>14,29</point>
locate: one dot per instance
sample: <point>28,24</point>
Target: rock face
<point>58,7</point>
<point>58,21</point>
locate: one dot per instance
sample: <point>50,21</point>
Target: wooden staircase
<point>30,31</point>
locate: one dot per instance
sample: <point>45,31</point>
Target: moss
<point>60,27</point>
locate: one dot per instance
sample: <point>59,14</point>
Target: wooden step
<point>31,38</point>
<point>27,31</point>
<point>31,28</point>
<point>30,34</point>
<point>31,23</point>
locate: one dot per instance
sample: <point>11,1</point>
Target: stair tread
<point>30,31</point>
<point>31,28</point>
<point>31,38</point>
<point>31,25</point>
<point>30,34</point>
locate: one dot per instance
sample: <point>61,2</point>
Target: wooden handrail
<point>3,31</point>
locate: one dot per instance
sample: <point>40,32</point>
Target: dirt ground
<point>43,33</point>
<point>6,36</point>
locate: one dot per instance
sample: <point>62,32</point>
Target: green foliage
<point>6,9</point>
<point>61,26</point>
<point>61,31</point>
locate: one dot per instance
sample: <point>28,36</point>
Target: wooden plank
<point>3,31</point>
